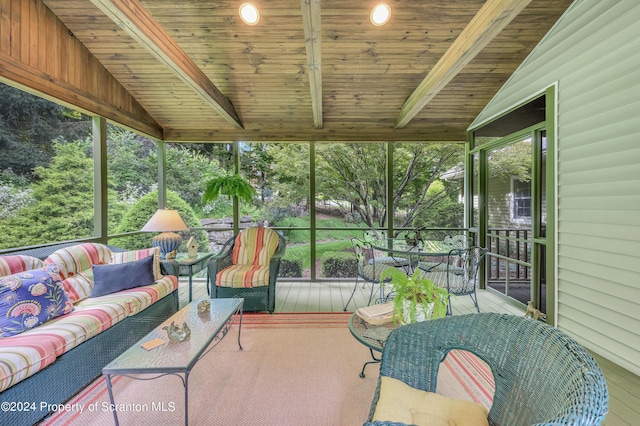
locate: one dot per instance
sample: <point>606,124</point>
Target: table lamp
<point>166,221</point>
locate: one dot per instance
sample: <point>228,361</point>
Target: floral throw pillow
<point>31,298</point>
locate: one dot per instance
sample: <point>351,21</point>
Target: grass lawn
<point>304,250</point>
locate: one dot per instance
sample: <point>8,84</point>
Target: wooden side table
<point>185,266</point>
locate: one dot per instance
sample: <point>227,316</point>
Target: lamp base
<point>168,243</point>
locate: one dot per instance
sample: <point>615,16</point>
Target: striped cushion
<point>254,246</point>
<point>374,274</point>
<point>24,355</point>
<point>243,276</point>
<point>13,264</point>
<point>130,256</point>
<point>390,260</point>
<point>75,267</point>
<point>78,258</point>
<point>136,299</point>
<point>79,286</point>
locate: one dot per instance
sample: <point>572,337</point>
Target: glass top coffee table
<point>372,336</point>
<point>178,358</point>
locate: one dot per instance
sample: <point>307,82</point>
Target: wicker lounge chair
<point>542,376</point>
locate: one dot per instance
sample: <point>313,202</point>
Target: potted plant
<point>232,185</point>
<point>416,297</point>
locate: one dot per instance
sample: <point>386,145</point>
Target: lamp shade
<point>165,221</point>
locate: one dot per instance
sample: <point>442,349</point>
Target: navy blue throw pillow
<point>111,278</point>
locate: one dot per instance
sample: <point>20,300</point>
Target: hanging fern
<point>230,185</point>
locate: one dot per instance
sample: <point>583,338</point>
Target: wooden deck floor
<point>331,296</point>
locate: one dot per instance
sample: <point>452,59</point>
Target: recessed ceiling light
<point>380,14</point>
<point>249,14</point>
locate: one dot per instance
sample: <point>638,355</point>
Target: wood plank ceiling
<point>310,69</point>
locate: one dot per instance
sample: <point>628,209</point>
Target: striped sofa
<point>49,363</point>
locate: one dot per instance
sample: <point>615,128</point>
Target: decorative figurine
<point>203,307</point>
<point>416,239</point>
<point>177,334</point>
<point>192,248</point>
<point>533,312</point>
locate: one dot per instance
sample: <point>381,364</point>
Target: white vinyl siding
<point>593,56</point>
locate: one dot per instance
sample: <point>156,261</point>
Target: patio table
<point>433,249</point>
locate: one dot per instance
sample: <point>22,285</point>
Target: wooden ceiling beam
<point>312,37</point>
<point>485,25</point>
<point>133,18</point>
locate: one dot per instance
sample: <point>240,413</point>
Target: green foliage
<point>29,125</point>
<point>63,201</point>
<point>339,265</point>
<point>512,160</point>
<point>419,291</point>
<point>188,172</point>
<point>142,211</point>
<point>230,185</point>
<point>354,178</point>
<point>15,194</point>
<point>133,168</point>
<point>289,175</point>
<point>447,212</point>
<point>291,265</point>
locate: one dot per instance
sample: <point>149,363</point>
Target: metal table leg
<point>115,413</point>
<point>375,361</point>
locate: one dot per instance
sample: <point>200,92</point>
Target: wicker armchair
<point>247,266</point>
<point>542,376</point>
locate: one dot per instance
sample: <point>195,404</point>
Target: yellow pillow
<point>399,402</point>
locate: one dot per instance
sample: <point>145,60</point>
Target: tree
<point>133,167</point>
<point>28,127</point>
<point>63,201</point>
<point>289,177</point>
<point>356,174</point>
<point>512,160</point>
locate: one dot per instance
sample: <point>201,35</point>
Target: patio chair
<point>247,266</point>
<point>368,269</point>
<point>542,376</point>
<point>377,236</point>
<point>436,263</point>
<point>459,274</point>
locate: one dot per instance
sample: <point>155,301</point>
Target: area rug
<point>295,369</point>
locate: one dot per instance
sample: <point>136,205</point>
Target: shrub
<point>142,211</point>
<point>291,266</point>
<point>339,265</point>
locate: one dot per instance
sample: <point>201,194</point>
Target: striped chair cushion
<point>254,246</point>
<point>243,276</point>
<point>75,267</point>
<point>130,256</point>
<point>13,264</point>
<point>391,261</point>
